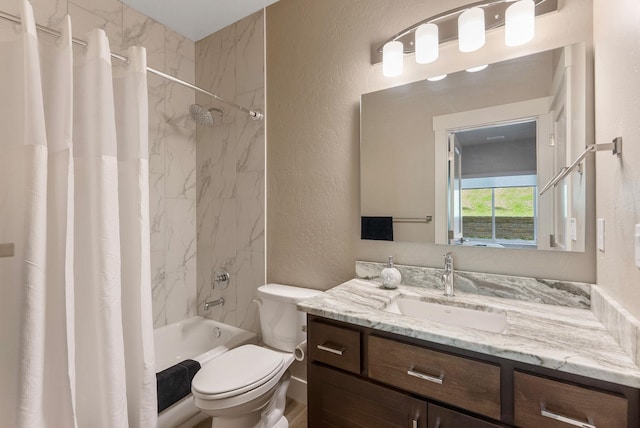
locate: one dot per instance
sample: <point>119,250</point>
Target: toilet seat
<point>237,371</point>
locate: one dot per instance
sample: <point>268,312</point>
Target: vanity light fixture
<point>519,27</point>
<point>427,43</point>
<point>392,59</point>
<point>471,30</point>
<point>468,25</point>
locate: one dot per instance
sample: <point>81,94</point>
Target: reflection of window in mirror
<point>495,181</point>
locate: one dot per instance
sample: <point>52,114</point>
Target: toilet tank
<point>280,321</point>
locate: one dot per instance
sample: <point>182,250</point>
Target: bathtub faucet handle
<point>221,278</point>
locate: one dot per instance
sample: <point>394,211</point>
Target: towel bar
<point>426,219</point>
<point>615,146</point>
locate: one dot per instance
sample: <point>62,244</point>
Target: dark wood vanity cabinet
<point>441,417</point>
<point>337,399</point>
<point>360,377</point>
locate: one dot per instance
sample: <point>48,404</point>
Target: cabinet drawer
<point>447,418</point>
<point>554,404</point>
<point>462,382</point>
<point>336,346</point>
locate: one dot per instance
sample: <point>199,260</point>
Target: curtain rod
<point>255,115</point>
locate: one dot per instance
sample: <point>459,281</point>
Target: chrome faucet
<point>447,276</point>
<point>213,303</point>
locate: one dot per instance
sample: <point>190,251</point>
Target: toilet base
<point>242,423</point>
<point>266,411</point>
<point>282,423</point>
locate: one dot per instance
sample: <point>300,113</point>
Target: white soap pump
<point>390,275</point>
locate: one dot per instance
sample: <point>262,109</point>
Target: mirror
<point>462,160</point>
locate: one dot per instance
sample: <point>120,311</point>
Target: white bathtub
<point>195,338</point>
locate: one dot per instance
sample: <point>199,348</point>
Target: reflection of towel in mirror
<point>174,383</point>
<point>378,228</point>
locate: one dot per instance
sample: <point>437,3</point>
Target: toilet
<point>246,386</point>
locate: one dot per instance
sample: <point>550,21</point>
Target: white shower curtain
<point>76,343</point>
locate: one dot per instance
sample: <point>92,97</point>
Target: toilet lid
<point>237,371</point>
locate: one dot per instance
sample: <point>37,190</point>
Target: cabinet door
<point>344,401</point>
<point>440,417</point>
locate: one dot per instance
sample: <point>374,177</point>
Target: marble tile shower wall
<point>171,139</point>
<point>231,171</point>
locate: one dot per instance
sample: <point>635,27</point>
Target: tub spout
<point>213,303</point>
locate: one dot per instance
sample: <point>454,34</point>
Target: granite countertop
<point>567,339</point>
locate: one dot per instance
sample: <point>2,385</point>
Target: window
<point>500,213</point>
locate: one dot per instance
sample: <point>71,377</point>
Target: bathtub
<point>195,338</point>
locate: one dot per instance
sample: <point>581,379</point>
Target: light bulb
<point>392,59</point>
<point>426,43</point>
<point>436,78</point>
<point>519,27</point>
<point>471,30</point>
<point>478,68</point>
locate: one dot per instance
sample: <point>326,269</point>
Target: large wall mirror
<point>462,160</point>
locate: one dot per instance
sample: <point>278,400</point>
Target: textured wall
<point>171,139</point>
<point>617,69</point>
<point>318,65</point>
<point>231,171</point>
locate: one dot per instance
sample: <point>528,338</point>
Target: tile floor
<point>295,412</point>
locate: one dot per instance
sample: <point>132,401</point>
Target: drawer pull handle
<point>547,414</point>
<point>423,376</point>
<point>326,348</point>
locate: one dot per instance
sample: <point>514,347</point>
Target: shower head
<point>202,116</point>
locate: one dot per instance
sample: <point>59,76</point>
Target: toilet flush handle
<point>257,302</point>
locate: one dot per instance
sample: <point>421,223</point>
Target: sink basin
<point>485,319</point>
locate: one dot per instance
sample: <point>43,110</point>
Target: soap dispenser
<point>390,275</point>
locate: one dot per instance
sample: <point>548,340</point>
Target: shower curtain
<point>76,344</point>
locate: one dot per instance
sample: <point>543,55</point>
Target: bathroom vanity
<point>551,366</point>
